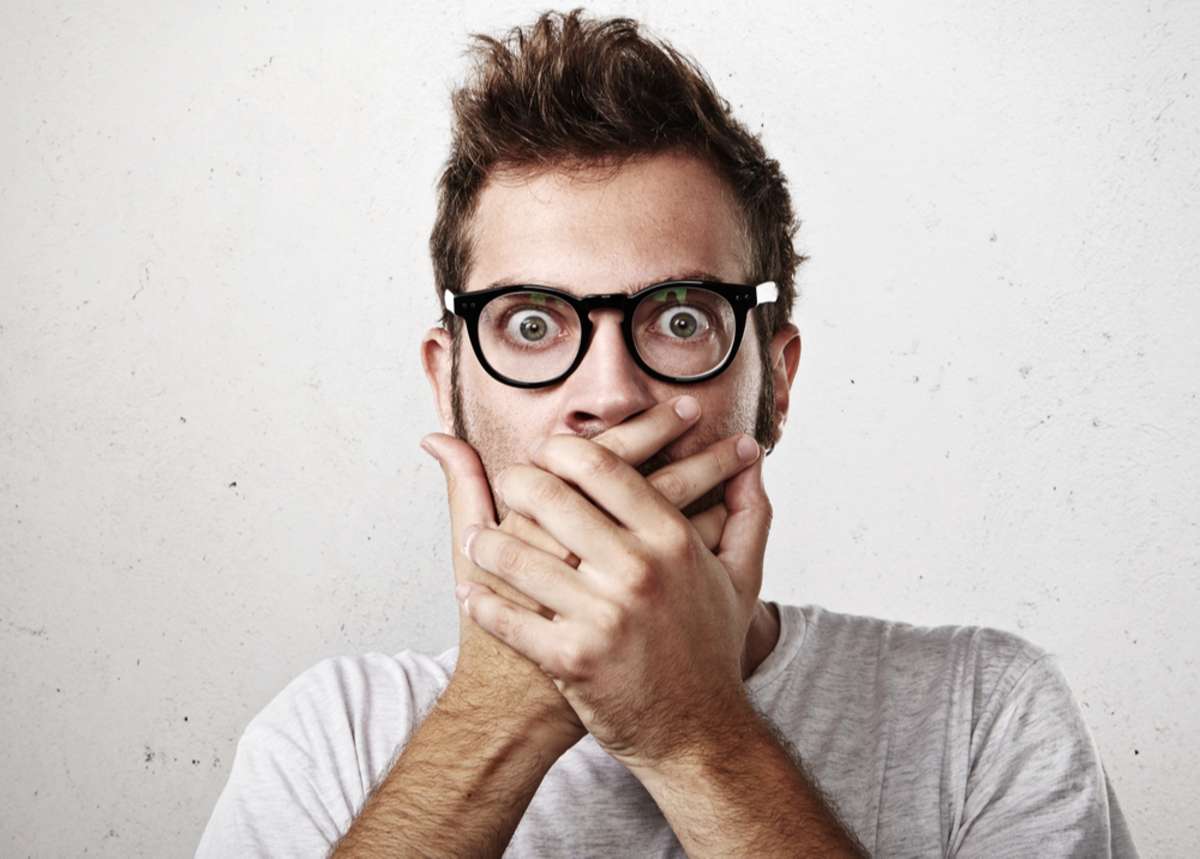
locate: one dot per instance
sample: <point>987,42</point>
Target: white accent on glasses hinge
<point>766,292</point>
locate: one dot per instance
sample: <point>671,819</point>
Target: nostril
<point>585,424</point>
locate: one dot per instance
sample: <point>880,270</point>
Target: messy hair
<point>571,90</point>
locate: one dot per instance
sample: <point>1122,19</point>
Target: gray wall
<point>213,280</point>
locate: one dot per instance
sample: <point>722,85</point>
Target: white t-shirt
<point>948,741</point>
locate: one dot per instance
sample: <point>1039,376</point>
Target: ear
<point>785,359</point>
<point>437,351</point>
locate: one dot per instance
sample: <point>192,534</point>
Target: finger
<point>471,506</point>
<point>685,480</point>
<point>744,540</point>
<point>605,479</point>
<point>621,491</point>
<point>710,524</point>
<point>466,483</point>
<point>680,483</point>
<point>565,514</point>
<point>537,574</point>
<point>524,528</point>
<point>526,632</point>
<point>640,437</point>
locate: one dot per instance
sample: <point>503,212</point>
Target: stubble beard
<point>498,448</point>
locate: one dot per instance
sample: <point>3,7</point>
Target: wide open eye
<point>682,322</point>
<point>530,326</point>
<point>684,330</point>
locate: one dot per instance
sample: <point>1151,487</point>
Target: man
<point>614,253</point>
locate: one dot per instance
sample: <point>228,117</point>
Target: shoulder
<point>984,663</point>
<point>981,648</point>
<point>359,692</point>
<point>346,717</point>
<point>307,760</point>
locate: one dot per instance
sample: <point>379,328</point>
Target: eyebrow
<point>689,274</point>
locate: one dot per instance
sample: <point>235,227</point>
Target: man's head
<point>589,158</point>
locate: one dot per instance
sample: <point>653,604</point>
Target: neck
<point>761,638</point>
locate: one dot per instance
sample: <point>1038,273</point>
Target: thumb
<point>744,540</point>
<point>470,497</point>
<point>467,487</point>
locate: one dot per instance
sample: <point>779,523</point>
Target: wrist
<point>512,713</point>
<point>711,742</point>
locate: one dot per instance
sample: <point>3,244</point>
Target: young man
<point>614,253</point>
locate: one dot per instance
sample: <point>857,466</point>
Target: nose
<point>608,386</point>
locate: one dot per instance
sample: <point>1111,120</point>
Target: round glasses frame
<point>742,298</point>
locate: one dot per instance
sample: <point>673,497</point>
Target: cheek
<point>736,398</point>
<point>503,424</point>
<point>725,409</point>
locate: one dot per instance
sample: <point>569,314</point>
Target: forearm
<point>459,788</point>
<point>744,794</point>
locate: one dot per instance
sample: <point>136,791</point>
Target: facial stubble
<point>483,430</point>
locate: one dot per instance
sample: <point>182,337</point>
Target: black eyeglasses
<point>680,331</point>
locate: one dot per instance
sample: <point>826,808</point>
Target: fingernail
<point>687,408</point>
<point>428,448</point>
<point>747,448</point>
<point>460,592</point>
<point>468,536</point>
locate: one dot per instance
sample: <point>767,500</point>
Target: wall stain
<point>40,632</point>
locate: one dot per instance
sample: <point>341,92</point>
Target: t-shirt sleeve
<point>1037,786</point>
<point>307,762</point>
<point>272,804</point>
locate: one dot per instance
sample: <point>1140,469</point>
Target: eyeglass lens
<point>679,331</point>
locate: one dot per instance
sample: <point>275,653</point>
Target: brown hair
<point>574,90</point>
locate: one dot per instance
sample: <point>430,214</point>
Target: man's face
<point>599,231</point>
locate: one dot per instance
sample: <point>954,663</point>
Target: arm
<point>742,792</point>
<point>463,782</point>
<point>647,641</point>
<point>1037,785</point>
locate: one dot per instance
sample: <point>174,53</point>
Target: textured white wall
<point>213,280</point>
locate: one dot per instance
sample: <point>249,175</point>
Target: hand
<point>499,675</point>
<point>648,633</point>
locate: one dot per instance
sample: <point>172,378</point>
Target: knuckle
<point>515,523</point>
<point>672,486</point>
<point>615,443</point>
<point>546,492</point>
<point>502,621</point>
<point>676,539</point>
<point>596,460</point>
<point>576,661</point>
<point>524,528</point>
<point>610,622</point>
<point>727,458</point>
<point>641,580</point>
<point>508,558</point>
<point>768,512</point>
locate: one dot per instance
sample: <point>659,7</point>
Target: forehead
<point>604,229</point>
